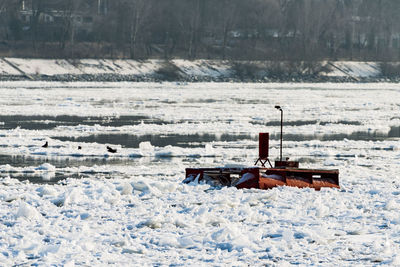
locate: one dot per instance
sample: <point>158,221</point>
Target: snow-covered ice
<point>130,208</point>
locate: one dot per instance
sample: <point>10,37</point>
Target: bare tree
<point>140,10</point>
<point>193,28</point>
<point>37,10</point>
<point>5,18</point>
<point>228,15</point>
<point>67,30</point>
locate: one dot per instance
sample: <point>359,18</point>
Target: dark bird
<point>111,150</point>
<point>79,147</point>
<point>46,144</point>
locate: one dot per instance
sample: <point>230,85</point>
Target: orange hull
<point>266,178</point>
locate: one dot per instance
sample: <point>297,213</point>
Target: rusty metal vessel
<point>284,173</point>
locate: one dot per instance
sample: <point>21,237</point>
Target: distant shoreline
<point>107,70</point>
<point>129,78</point>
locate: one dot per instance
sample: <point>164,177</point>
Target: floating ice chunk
<point>146,147</point>
<point>126,189</point>
<point>152,223</point>
<point>46,190</point>
<point>196,180</point>
<point>189,179</point>
<point>387,249</point>
<point>223,235</point>
<point>46,167</point>
<point>209,149</point>
<point>141,186</point>
<point>254,199</point>
<point>146,187</point>
<point>6,168</point>
<point>246,177</point>
<point>357,231</point>
<point>137,250</point>
<point>165,186</point>
<point>88,246</point>
<point>231,238</point>
<point>321,211</point>
<point>28,212</point>
<point>48,176</point>
<point>185,242</point>
<point>9,181</point>
<point>317,153</point>
<point>180,223</point>
<point>168,241</point>
<point>395,261</point>
<point>118,243</point>
<point>71,197</point>
<point>329,163</point>
<point>49,249</point>
<point>287,235</point>
<point>391,205</point>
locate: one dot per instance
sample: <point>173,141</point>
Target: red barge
<point>284,173</point>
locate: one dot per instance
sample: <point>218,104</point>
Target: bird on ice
<point>111,150</point>
<point>46,144</point>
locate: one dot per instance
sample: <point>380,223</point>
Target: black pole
<point>281,131</point>
<point>281,110</point>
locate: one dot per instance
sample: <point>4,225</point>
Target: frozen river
<point>63,205</point>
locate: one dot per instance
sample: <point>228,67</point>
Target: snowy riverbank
<point>188,71</point>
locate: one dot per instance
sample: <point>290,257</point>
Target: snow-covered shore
<point>180,70</point>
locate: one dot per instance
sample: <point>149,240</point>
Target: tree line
<point>290,30</point>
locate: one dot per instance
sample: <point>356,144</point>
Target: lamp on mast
<point>279,108</point>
